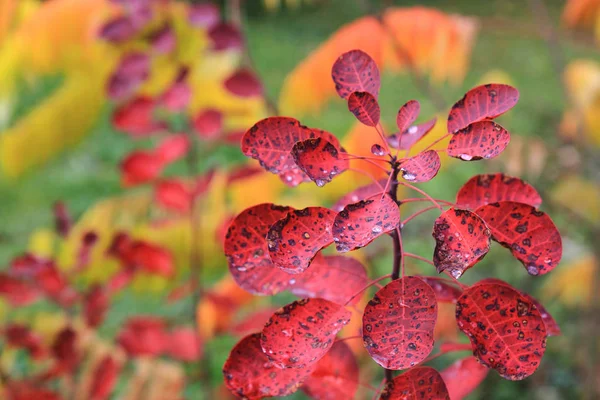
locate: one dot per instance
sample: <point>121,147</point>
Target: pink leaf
<point>365,108</point>
<point>355,71</point>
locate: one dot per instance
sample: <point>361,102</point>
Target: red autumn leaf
<point>20,336</point>
<point>360,223</point>
<point>118,30</point>
<point>407,115</point>
<point>485,139</point>
<point>104,379</point>
<point>174,195</point>
<point>27,266</point>
<point>164,40</point>
<point>143,336</point>
<point>132,71</point>
<point>225,37</point>
<point>530,234</point>
<point>95,305</point>
<point>294,240</point>
<point>361,193</point>
<point>173,148</point>
<point>335,375</point>
<point>250,375</point>
<point>445,292</point>
<point>177,97</point>
<point>319,159</point>
<point>208,123</point>
<point>252,322</point>
<point>293,177</point>
<point>136,118</point>
<point>420,168</point>
<point>505,328</point>
<point>491,188</point>
<point>462,239</point>
<point>398,323</point>
<point>119,281</point>
<point>140,167</point>
<point>300,334</point>
<point>184,344</point>
<point>244,83</point>
<point>406,139</point>
<point>203,15</point>
<point>463,376</point>
<point>28,390</point>
<point>65,350</point>
<point>17,292</point>
<point>418,383</point>
<point>365,108</point>
<point>480,103</point>
<point>151,258</point>
<point>247,252</point>
<point>56,286</point>
<point>324,276</point>
<point>355,71</point>
<point>62,218</point>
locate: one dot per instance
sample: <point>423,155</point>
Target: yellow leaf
<point>42,243</point>
<point>571,283</point>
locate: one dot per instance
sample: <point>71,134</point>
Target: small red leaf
<point>406,139</point>
<point>208,123</point>
<point>95,306</point>
<point>244,83</point>
<point>225,37</point>
<point>17,292</point>
<point>398,323</point>
<point>530,234</point>
<point>360,223</point>
<point>491,188</point>
<point>355,71</point>
<point>407,115</point>
<point>140,167</point>
<point>418,383</point>
<point>505,329</point>
<point>463,376</point>
<point>151,258</point>
<point>335,375</point>
<point>27,390</point>
<point>118,30</point>
<point>462,239</point>
<point>445,292</point>
<point>300,334</point>
<point>104,379</point>
<point>173,195</point>
<point>365,108</point>
<point>482,102</point>
<point>173,148</point>
<point>247,252</point>
<point>143,336</point>
<point>485,139</point>
<point>136,118</point>
<point>177,97</point>
<point>294,240</point>
<point>250,375</point>
<point>361,193</point>
<point>319,159</point>
<point>20,336</point>
<point>324,277</point>
<point>65,349</point>
<point>183,344</point>
<point>421,168</point>
<point>132,71</point>
<point>164,40</point>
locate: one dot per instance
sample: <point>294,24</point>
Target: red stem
<point>436,142</point>
<point>411,217</point>
<point>416,189</point>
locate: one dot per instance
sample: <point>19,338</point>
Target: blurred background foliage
<point>57,143</point>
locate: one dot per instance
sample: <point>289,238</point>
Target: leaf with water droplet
<point>491,188</point>
<point>505,328</point>
<point>398,323</point>
<point>485,139</point>
<point>365,108</point>
<point>407,115</point>
<point>409,137</point>
<point>529,233</point>
<point>462,240</point>
<point>423,383</point>
<point>313,325</point>
<point>355,71</point>
<point>358,224</point>
<point>420,168</point>
<point>320,159</point>
<point>377,150</point>
<point>481,103</point>
<point>294,240</point>
<point>463,376</point>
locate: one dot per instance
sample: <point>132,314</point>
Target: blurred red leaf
<point>95,305</point>
<point>491,188</point>
<point>164,40</point>
<point>420,168</point>
<point>136,118</point>
<point>118,30</point>
<point>141,336</point>
<point>365,108</point>
<point>64,350</point>
<point>355,71</point>
<point>177,96</point>
<point>225,37</point>
<point>27,390</point>
<point>204,15</point>
<point>62,218</point>
<point>244,83</point>
<point>361,193</point>
<point>105,377</point>
<point>140,167</point>
<point>417,383</point>
<point>445,292</point>
<point>17,292</point>
<point>208,123</point>
<point>21,336</point>
<point>173,148</point>
<point>174,195</point>
<point>404,140</point>
<point>463,376</point>
<point>319,159</point>
<point>184,344</point>
<point>132,71</point>
<point>151,258</point>
<point>485,139</point>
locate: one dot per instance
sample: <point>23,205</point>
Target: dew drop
<point>456,273</point>
<point>241,269</point>
<point>306,235</point>
<point>292,281</point>
<point>287,333</point>
<point>533,270</point>
<point>548,261</point>
<point>408,176</point>
<point>413,129</point>
<point>288,178</point>
<point>377,229</point>
<point>377,150</point>
<point>466,157</point>
<point>320,182</point>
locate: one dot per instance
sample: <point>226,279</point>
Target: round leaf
<point>482,102</point>
<point>295,239</point>
<point>407,115</point>
<point>301,333</point>
<point>485,139</point>
<point>319,159</point>
<point>505,329</point>
<point>463,376</point>
<point>406,139</point>
<point>491,188</point>
<point>418,383</point>
<point>530,234</point>
<point>358,224</point>
<point>365,108</point>
<point>421,168</point>
<point>398,323</point>
<point>355,71</point>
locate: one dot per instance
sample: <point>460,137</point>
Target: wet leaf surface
<point>404,140</point>
<point>407,115</point>
<point>421,168</point>
<point>365,108</point>
<point>361,193</point>
<point>355,71</point>
<point>485,139</point>
<point>418,383</point>
<point>319,159</point>
<point>491,188</point>
<point>463,376</point>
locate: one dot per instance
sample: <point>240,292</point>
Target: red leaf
<point>225,37</point>
<point>244,83</point>
<point>462,239</point>
<point>319,160</point>
<point>173,148</point>
<point>183,344</point>
<point>445,292</point>
<point>355,71</point>
<point>250,375</point>
<point>365,108</point>
<point>173,195</point>
<point>361,193</point>
<point>485,139</point>
<point>325,275</point>
<point>491,188</point>
<point>118,30</point>
<point>418,383</point>
<point>247,252</point>
<point>482,102</point>
<point>294,240</point>
<point>104,379</point>
<point>142,336</point>
<point>95,306</point>
<point>132,71</point>
<point>164,40</point>
<point>505,329</point>
<point>177,97</point>
<point>17,292</point>
<point>293,177</point>
<point>335,376</point>
<point>151,258</point>
<point>252,322</point>
<point>360,223</point>
<point>208,123</point>
<point>398,323</point>
<point>463,377</point>
<point>203,15</point>
<point>140,167</point>
<point>65,350</point>
<point>407,115</point>
<point>530,234</point>
<point>136,118</point>
<point>26,390</point>
<point>300,334</point>
<point>421,168</point>
<point>406,139</point>
<point>21,336</point>
<point>56,286</point>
